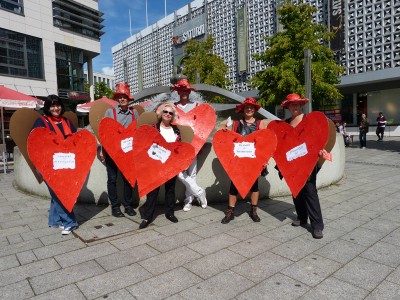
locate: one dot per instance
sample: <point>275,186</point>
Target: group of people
<point>306,203</point>
<point>363,129</point>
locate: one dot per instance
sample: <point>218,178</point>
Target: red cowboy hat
<point>182,84</point>
<point>122,89</point>
<point>293,98</point>
<point>247,101</point>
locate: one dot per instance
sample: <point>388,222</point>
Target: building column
<point>355,108</point>
<point>90,78</point>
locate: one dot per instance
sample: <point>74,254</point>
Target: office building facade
<point>367,44</point>
<point>45,44</point>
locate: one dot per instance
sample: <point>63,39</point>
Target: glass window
<point>20,55</point>
<point>69,64</point>
<point>16,6</point>
<point>78,18</point>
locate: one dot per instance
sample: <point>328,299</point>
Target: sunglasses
<point>168,112</point>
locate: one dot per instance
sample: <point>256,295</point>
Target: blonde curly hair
<point>161,107</point>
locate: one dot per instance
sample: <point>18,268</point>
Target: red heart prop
<point>244,171</point>
<point>151,172</point>
<point>117,141</point>
<point>311,134</point>
<point>202,120</point>
<point>43,145</point>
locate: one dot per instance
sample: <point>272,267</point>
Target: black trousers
<point>149,206</point>
<point>307,203</point>
<point>112,172</point>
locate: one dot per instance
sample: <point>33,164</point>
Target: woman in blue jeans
<point>364,126</point>
<point>52,119</point>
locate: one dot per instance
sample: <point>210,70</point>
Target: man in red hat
<point>124,115</point>
<point>188,177</point>
<point>307,201</point>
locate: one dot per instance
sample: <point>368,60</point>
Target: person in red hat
<point>188,177</point>
<point>124,115</point>
<point>307,201</point>
<point>245,126</point>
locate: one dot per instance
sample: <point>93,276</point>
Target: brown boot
<point>228,215</point>
<point>253,213</point>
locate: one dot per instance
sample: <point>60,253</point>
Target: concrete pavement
<point>200,258</point>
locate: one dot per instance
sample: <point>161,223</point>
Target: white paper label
<point>297,152</point>
<point>244,149</point>
<point>63,161</point>
<point>127,144</point>
<point>229,121</point>
<point>157,152</point>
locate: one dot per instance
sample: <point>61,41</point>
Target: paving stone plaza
<point>200,258</point>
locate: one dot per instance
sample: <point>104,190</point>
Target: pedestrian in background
<point>380,129</point>
<point>364,128</point>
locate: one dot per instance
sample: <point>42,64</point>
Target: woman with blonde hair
<point>166,114</point>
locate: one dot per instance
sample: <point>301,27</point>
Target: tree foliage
<point>284,58</point>
<point>201,60</point>
<point>101,89</point>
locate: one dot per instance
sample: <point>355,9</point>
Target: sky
<point>117,25</point>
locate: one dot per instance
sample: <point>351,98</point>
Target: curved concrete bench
<point>211,176</point>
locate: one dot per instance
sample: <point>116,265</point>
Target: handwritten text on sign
<point>157,152</point>
<point>63,161</point>
<point>297,152</point>
<point>126,144</point>
<point>244,149</point>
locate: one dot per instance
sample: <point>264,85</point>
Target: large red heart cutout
<point>202,120</point>
<point>243,157</point>
<point>118,142</point>
<point>298,148</point>
<point>64,164</point>
<point>157,161</point>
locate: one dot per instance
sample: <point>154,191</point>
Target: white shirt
<point>168,134</point>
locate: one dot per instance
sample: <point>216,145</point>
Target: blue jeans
<point>58,214</point>
<point>363,139</point>
<point>112,172</point>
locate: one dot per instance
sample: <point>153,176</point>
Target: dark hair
<point>52,100</point>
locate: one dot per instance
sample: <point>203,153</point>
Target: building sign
<point>188,35</point>
<point>336,19</point>
<point>78,96</point>
<point>192,29</point>
<point>242,39</point>
<point>74,95</point>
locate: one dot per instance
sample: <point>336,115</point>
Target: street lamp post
<point>307,75</point>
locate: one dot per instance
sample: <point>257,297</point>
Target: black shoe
<point>317,234</point>
<point>172,218</point>
<point>253,213</point>
<point>144,224</point>
<point>117,213</point>
<point>129,211</point>
<point>298,223</point>
<point>229,216</point>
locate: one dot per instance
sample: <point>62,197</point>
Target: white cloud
<point>108,71</point>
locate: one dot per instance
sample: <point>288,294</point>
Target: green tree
<point>101,89</point>
<point>284,59</point>
<point>200,59</point>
